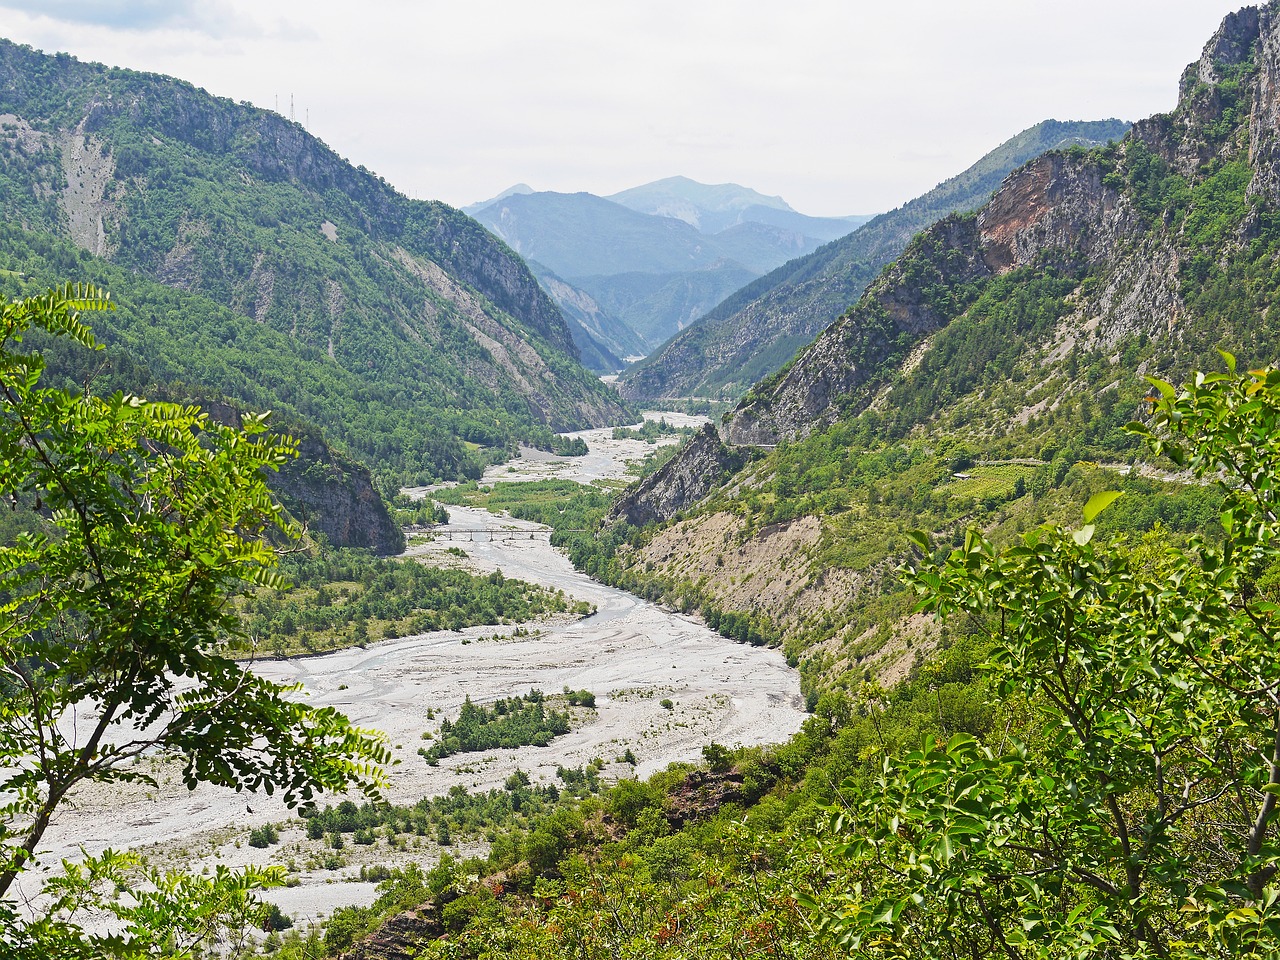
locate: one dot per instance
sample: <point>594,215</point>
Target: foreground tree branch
<point>1145,791</point>
<point>132,526</point>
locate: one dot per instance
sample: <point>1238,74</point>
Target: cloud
<point>212,17</point>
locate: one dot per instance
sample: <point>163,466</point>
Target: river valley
<point>630,653</point>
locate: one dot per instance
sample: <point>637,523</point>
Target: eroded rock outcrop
<point>701,794</point>
<point>334,495</point>
<point>401,937</point>
<point>326,492</point>
<point>810,392</point>
<point>684,480</point>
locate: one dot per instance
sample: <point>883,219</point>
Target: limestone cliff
<point>324,491</point>
<point>331,494</point>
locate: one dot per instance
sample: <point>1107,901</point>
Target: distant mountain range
<point>632,269</point>
<point>713,209</point>
<point>758,328</point>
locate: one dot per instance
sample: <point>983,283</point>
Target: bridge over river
<point>484,535</point>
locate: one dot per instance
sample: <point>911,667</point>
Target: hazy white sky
<point>839,106</point>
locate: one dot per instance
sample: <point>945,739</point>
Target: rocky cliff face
<point>702,463</point>
<point>754,332</point>
<point>278,150</point>
<point>1257,33</point>
<point>480,260</point>
<point>810,392</point>
<point>333,495</point>
<point>323,490</point>
<point>402,937</point>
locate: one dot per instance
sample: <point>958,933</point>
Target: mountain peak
<point>518,190</point>
<point>709,207</point>
<point>1230,46</point>
<point>719,196</point>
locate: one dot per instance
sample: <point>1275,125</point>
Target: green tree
<point>167,913</point>
<point>1137,815</point>
<point>139,521</point>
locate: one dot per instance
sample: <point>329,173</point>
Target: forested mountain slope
<point>757,329</point>
<point>213,358</point>
<point>983,372</point>
<point>595,330</point>
<point>445,349</point>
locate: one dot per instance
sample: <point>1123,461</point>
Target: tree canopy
<point>131,525</point>
<point>1129,810</point>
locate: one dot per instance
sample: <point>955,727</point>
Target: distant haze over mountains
<point>630,270</point>
<point>713,208</point>
<point>709,208</point>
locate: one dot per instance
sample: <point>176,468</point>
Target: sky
<point>838,106</point>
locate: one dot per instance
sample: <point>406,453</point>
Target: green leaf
<point>919,538</point>
<point>945,849</point>
<point>1099,502</point>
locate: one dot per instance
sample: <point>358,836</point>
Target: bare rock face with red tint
<point>1068,209</point>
